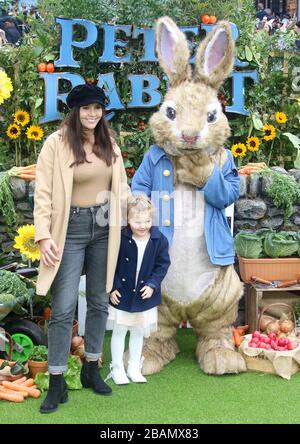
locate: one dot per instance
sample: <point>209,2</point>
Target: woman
<point>80,175</point>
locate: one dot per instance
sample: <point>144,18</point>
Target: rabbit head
<point>190,118</point>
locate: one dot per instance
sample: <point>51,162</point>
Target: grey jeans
<point>86,245</point>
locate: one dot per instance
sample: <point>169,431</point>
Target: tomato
<point>50,67</point>
<point>205,19</point>
<point>212,19</point>
<point>125,154</point>
<point>42,67</point>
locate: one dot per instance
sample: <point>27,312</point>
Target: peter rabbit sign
<point>141,84</point>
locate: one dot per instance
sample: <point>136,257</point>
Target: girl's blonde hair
<point>139,203</point>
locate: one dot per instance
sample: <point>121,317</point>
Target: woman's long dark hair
<point>74,135</point>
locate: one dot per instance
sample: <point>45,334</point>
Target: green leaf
<point>49,57</point>
<point>297,160</point>
<point>293,139</point>
<point>127,163</point>
<point>37,51</point>
<point>257,122</point>
<point>38,102</point>
<point>248,53</point>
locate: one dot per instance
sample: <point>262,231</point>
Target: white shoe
<point>135,374</point>
<point>118,375</point>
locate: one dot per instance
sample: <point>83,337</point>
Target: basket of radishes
<point>276,350</point>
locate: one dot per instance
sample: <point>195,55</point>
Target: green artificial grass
<point>180,394</point>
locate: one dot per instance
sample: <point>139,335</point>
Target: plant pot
<point>281,269</point>
<point>36,367</point>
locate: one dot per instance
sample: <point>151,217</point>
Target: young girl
<point>78,169</point>
<point>142,264</point>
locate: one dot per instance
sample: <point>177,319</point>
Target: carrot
<point>28,383</point>
<point>260,164</point>
<point>242,329</point>
<point>20,380</point>
<point>30,172</point>
<point>11,397</point>
<point>28,167</point>
<point>6,390</point>
<point>34,393</point>
<point>236,337</point>
<point>26,177</point>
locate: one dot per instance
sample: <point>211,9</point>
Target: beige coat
<point>52,201</point>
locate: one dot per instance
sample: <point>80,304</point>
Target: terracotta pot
<point>36,367</point>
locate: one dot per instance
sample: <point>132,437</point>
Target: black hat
<point>83,95</point>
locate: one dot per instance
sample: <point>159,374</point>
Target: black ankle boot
<point>57,393</point>
<point>90,377</point>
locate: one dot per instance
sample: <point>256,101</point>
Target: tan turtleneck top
<point>89,181</point>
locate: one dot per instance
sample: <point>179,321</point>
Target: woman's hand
<point>114,297</point>
<point>49,252</point>
<point>147,292</point>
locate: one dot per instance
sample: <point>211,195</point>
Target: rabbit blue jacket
<point>154,177</point>
<point>154,267</point>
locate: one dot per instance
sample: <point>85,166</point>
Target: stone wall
<point>252,211</point>
<point>22,193</point>
<point>255,209</point>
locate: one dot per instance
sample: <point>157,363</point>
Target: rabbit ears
<point>214,59</point>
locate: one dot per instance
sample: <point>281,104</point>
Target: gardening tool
<point>275,284</point>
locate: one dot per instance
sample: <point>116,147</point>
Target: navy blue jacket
<point>154,267</point>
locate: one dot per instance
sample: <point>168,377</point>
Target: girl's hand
<point>147,292</point>
<point>114,297</point>
<point>49,252</point>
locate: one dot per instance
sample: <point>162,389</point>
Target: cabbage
<point>248,245</point>
<point>282,244</point>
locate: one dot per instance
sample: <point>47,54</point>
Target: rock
<point>255,185</point>
<point>23,206</point>
<point>274,223</point>
<point>245,224</point>
<point>243,185</point>
<point>297,220</point>
<point>3,238</point>
<point>250,209</point>
<point>31,187</point>
<point>18,187</point>
<point>296,174</point>
<point>279,170</point>
<point>7,247</point>
<point>274,211</point>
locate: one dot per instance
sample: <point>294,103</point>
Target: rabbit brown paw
<point>194,169</point>
<point>219,361</point>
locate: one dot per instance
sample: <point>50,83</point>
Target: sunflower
<point>5,86</point>
<point>239,150</point>
<point>35,132</point>
<point>280,117</point>
<point>13,131</point>
<point>21,117</point>
<point>252,143</point>
<point>25,243</point>
<point>270,132</point>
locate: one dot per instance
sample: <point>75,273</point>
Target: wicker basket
<point>262,363</point>
<point>5,374</point>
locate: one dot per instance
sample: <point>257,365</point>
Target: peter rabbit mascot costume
<point>191,179</point>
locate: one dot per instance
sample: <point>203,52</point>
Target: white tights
<point>118,344</point>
